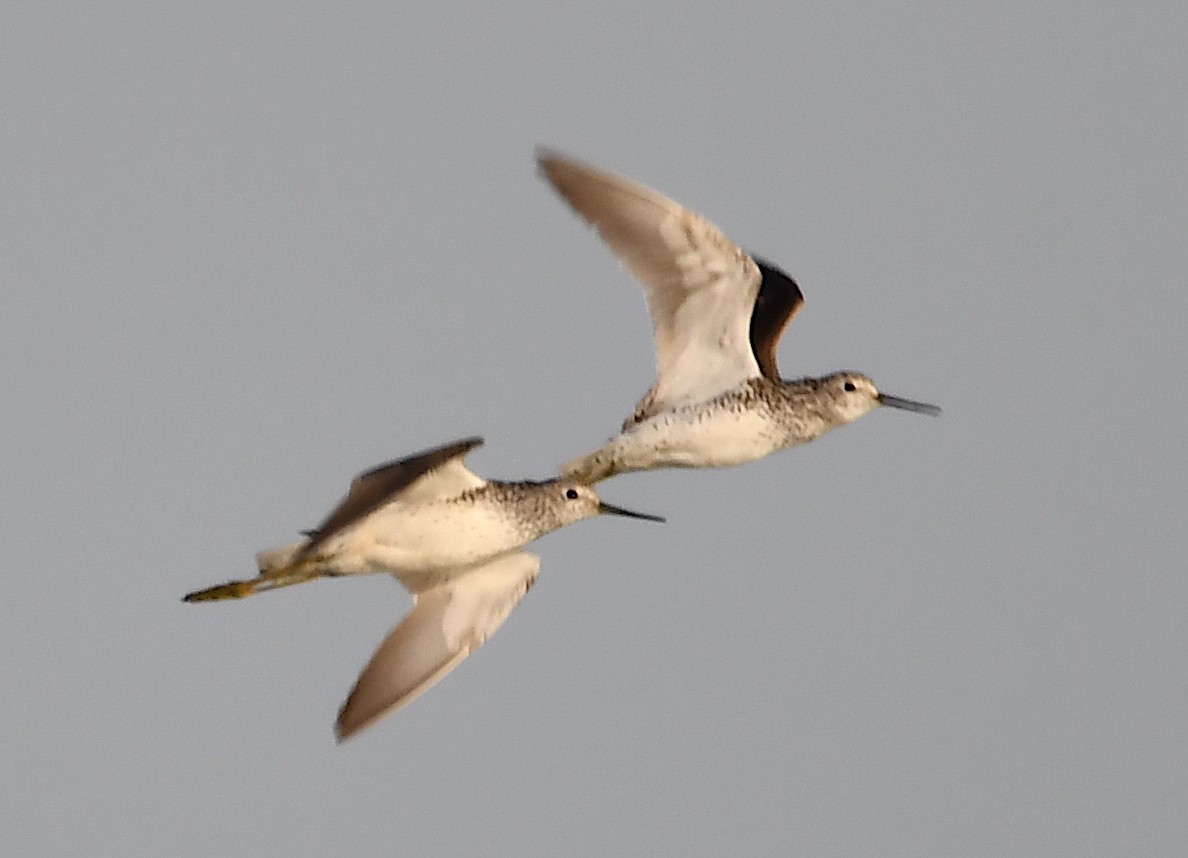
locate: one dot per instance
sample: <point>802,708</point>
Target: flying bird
<point>451,538</point>
<point>717,316</point>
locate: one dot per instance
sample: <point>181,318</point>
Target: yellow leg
<point>285,576</point>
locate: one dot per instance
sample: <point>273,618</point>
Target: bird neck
<point>524,504</point>
<point>806,414</point>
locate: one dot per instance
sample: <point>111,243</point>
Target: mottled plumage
<point>451,538</point>
<point>717,317</point>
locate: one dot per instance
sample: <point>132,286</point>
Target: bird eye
<point>849,387</point>
<point>571,494</point>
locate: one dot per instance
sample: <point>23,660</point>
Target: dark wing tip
<point>547,155</point>
<point>547,162</point>
<point>472,442</point>
<point>437,455</point>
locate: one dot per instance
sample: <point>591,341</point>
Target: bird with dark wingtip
<point>717,317</point>
<point>451,538</point>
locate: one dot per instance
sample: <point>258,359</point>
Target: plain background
<point>247,250</point>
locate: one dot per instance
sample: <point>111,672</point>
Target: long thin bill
<point>611,509</point>
<point>909,405</point>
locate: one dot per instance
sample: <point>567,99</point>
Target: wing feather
<point>778,301</point>
<point>422,477</point>
<point>447,624</point>
<point>700,286</point>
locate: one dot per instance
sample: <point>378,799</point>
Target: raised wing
<point>700,286</point>
<point>433,473</point>
<point>447,624</point>
<point>778,301</point>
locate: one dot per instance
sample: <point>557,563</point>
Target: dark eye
<point>849,387</point>
<point>571,494</point>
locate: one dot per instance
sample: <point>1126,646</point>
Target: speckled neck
<point>531,511</point>
<point>797,408</point>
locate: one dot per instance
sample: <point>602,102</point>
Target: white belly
<point>425,542</point>
<point>705,439</point>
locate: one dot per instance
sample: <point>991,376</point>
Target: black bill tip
<point>909,405</point>
<point>611,509</point>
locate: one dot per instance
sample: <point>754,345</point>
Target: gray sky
<point>248,250</point>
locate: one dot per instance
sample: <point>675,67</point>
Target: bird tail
<point>279,567</point>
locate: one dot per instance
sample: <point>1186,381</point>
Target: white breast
<point>714,438</point>
<point>430,539</point>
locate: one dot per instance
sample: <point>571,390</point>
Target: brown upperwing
<point>778,301</point>
<point>372,489</point>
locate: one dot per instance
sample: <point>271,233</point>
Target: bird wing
<point>447,624</point>
<point>420,478</point>
<point>700,286</point>
<point>778,301</point>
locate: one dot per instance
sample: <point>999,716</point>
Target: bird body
<point>717,317</point>
<point>742,424</point>
<point>451,538</point>
<point>424,543</point>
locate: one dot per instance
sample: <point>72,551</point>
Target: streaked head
<point>575,501</point>
<point>849,395</point>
